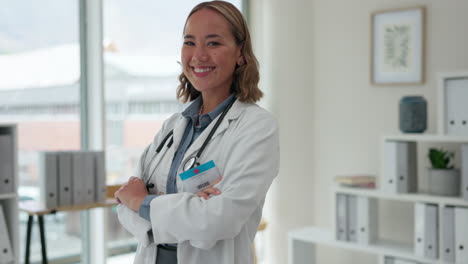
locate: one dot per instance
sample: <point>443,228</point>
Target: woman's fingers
<point>206,193</point>
<point>202,194</point>
<point>211,190</point>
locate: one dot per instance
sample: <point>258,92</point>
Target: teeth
<point>200,70</point>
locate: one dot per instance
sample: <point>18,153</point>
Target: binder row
<point>455,234</point>
<point>356,218</point>
<point>7,179</point>
<point>72,178</point>
<point>6,252</point>
<point>400,173</point>
<point>454,240</point>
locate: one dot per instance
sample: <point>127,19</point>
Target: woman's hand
<point>132,193</point>
<point>210,190</point>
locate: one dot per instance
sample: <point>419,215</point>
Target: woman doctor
<point>215,225</point>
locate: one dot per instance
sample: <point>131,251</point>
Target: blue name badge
<point>200,177</point>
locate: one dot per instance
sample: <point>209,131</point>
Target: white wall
<point>314,57</point>
<point>284,44</point>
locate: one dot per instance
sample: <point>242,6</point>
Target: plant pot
<point>444,182</point>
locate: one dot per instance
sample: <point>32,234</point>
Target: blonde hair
<point>246,76</point>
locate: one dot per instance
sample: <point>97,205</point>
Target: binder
<point>400,168</point>
<point>461,235</point>
<point>352,217</point>
<point>65,178</point>
<point>7,164</point>
<point>341,217</point>
<point>432,232</point>
<point>389,166</point>
<point>78,181</point>
<point>89,177</point>
<point>419,229</point>
<point>426,230</point>
<point>456,93</point>
<point>448,232</point>
<point>6,252</point>
<point>49,179</point>
<point>367,222</point>
<point>464,171</point>
<point>407,167</point>
<point>100,176</point>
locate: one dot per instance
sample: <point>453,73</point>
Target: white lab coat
<point>221,230</point>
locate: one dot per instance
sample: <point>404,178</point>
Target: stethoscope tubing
<point>199,152</point>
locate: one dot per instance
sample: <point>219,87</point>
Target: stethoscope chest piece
<point>190,163</point>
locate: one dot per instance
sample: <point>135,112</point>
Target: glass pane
<point>39,90</point>
<point>142,49</point>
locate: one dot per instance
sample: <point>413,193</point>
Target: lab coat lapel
<point>179,129</point>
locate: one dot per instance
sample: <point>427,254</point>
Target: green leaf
<point>440,159</point>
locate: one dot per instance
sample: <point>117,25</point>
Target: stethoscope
<point>191,162</point>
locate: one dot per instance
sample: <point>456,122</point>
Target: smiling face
<point>209,53</point>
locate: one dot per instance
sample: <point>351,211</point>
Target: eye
<point>213,43</point>
<point>189,43</point>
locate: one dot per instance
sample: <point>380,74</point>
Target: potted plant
<point>444,179</point>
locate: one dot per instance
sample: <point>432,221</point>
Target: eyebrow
<point>207,36</point>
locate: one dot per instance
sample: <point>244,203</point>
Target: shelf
<point>427,138</point>
<point>302,242</point>
<point>405,197</point>
<point>9,200</point>
<point>387,248</point>
<point>7,196</point>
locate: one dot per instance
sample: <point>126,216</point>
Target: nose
<point>200,54</point>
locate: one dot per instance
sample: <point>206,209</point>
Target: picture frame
<point>398,46</point>
<point>452,110</point>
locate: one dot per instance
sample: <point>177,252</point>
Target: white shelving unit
<point>404,197</point>
<point>302,246</point>
<point>302,243</point>
<point>9,201</point>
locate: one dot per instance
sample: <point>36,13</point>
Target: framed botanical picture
<point>398,46</point>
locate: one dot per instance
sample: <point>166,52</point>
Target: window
<point>39,90</point>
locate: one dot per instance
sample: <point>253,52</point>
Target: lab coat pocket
<point>200,177</point>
